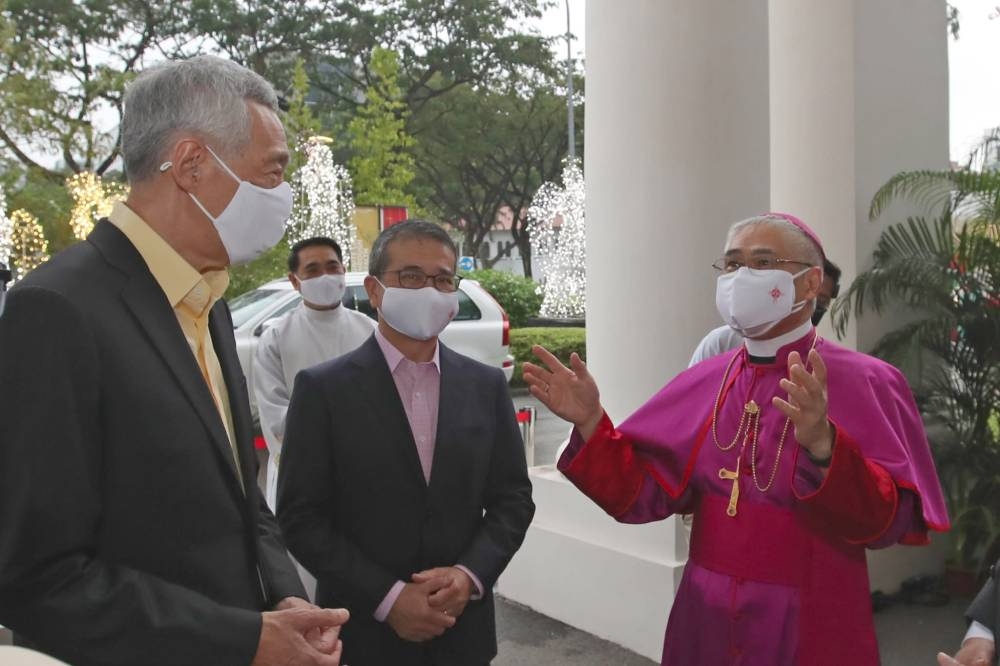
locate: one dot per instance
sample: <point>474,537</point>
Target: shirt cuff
<point>383,609</point>
<point>478,594</point>
<point>978,630</point>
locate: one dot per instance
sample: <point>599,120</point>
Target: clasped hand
<point>431,604</point>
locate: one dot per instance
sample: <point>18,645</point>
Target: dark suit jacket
<point>125,537</point>
<point>985,608</point>
<point>357,512</point>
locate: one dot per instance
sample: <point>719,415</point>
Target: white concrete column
<point>676,150</point>
<point>677,145</point>
<point>859,92</point>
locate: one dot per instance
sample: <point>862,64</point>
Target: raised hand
<point>570,393</point>
<point>807,405</point>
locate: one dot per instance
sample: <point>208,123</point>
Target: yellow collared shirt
<point>191,295</point>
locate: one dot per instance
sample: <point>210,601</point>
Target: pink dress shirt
<point>419,387</point>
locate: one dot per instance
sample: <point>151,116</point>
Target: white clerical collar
<point>769,348</point>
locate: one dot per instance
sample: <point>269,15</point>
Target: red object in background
<point>523,416</point>
<point>259,443</point>
<point>390,215</point>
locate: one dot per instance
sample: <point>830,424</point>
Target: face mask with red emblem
<point>752,301</point>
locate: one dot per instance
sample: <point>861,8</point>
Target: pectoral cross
<point>734,495</point>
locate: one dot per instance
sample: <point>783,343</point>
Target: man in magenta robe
<point>793,453</point>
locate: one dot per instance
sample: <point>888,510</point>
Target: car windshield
<point>247,306</point>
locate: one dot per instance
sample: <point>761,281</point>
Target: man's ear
<point>293,278</point>
<point>814,282</point>
<point>374,290</point>
<point>185,164</point>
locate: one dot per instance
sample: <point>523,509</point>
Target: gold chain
<point>751,416</point>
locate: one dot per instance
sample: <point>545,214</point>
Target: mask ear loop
<point>223,164</point>
<point>797,307</point>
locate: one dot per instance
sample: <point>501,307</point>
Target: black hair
<point>293,256</point>
<point>379,258</point>
<point>832,271</point>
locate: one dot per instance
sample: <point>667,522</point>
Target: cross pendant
<point>734,495</point>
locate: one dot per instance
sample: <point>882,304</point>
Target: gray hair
<point>205,95</point>
<point>378,260</point>
<point>803,246</point>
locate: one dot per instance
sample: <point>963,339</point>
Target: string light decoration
<point>562,248</point>
<point>93,198</point>
<point>6,231</point>
<point>29,249</point>
<point>323,203</point>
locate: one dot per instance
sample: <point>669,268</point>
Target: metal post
<point>526,420</point>
<point>569,88</point>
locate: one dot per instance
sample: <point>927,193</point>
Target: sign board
<point>466,264</point>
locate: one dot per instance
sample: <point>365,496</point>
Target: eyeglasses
<point>728,265</point>
<point>414,278</point>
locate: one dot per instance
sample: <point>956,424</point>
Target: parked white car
<point>480,330</point>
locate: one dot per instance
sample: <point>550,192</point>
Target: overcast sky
<point>974,64</point>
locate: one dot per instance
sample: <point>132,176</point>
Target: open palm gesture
<point>570,393</point>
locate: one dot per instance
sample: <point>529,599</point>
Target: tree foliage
<point>65,65</point>
<point>945,267</point>
<point>492,153</point>
<point>382,166</point>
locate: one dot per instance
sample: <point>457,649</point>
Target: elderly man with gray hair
<point>131,529</point>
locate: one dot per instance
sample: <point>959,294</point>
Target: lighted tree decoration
<point>93,198</point>
<point>323,202</point>
<point>29,249</point>
<point>6,231</point>
<point>563,248</point>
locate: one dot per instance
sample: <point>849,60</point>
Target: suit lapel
<point>220,326</point>
<point>453,397</point>
<point>148,304</point>
<point>383,398</point>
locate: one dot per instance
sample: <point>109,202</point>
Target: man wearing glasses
<point>794,455</point>
<point>403,486</point>
<point>320,329</point>
<point>725,338</point>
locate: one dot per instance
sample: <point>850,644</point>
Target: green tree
<point>441,46</point>
<point>493,152</point>
<point>65,67</point>
<point>299,121</point>
<point>382,167</point>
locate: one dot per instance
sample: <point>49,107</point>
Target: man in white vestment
<point>318,330</point>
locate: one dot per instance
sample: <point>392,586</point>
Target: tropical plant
<point>946,270</point>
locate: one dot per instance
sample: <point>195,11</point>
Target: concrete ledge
<point>579,566</point>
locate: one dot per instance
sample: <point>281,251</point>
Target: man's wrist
<point>821,455</point>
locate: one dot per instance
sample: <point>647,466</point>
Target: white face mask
<point>420,314</point>
<point>254,220</point>
<point>324,290</point>
<point>753,301</point>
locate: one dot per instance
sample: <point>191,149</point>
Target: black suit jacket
<point>985,608</point>
<point>125,536</point>
<point>357,512</point>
